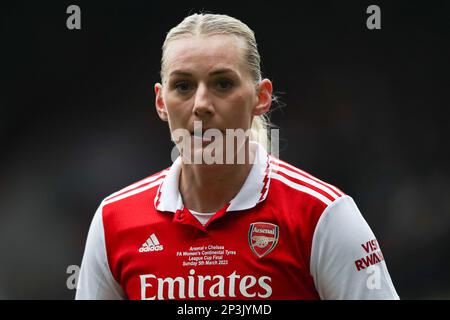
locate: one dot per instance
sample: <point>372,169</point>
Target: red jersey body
<point>285,235</point>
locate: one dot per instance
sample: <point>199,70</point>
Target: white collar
<point>254,190</point>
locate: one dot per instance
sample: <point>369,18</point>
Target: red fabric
<point>283,273</point>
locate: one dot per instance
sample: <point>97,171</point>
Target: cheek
<point>178,111</point>
<point>242,106</point>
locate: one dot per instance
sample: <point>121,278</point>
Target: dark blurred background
<point>365,110</point>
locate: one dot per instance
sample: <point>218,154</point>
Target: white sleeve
<point>95,281</point>
<point>345,256</point>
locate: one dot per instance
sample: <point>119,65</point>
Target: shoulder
<point>136,189</point>
<point>293,183</point>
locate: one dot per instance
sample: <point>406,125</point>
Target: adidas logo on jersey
<point>152,244</point>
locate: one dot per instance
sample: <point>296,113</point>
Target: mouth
<point>200,134</point>
<point>201,137</point>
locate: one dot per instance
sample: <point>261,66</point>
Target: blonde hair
<point>213,24</point>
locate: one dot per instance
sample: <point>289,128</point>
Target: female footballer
<point>227,220</point>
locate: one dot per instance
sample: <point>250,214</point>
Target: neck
<point>207,188</point>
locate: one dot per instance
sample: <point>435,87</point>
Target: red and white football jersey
<point>285,235</point>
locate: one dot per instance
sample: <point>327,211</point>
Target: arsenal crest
<point>262,237</point>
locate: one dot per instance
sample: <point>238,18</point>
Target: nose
<point>202,104</point>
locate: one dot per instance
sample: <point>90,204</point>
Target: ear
<point>159,102</point>
<point>264,97</point>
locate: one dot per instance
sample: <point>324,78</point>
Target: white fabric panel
<point>95,281</point>
<point>337,244</point>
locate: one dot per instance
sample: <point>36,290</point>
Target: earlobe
<point>159,103</point>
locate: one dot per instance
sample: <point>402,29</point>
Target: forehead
<point>202,53</point>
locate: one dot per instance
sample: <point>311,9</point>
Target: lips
<point>197,133</point>
<point>200,134</point>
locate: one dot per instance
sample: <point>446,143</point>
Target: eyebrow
<point>213,73</point>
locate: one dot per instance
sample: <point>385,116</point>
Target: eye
<point>183,86</point>
<point>224,84</point>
